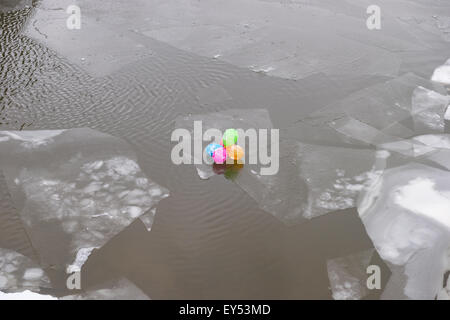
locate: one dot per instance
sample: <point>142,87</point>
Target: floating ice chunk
<point>18,272</point>
<point>121,289</point>
<point>361,131</point>
<point>81,257</point>
<point>348,275</point>
<point>31,139</point>
<point>148,218</point>
<point>205,171</point>
<point>33,274</point>
<point>253,119</point>
<point>442,74</point>
<point>447,114</point>
<point>405,213</point>
<point>12,232</point>
<point>15,5</point>
<point>440,141</point>
<point>383,107</point>
<point>284,195</point>
<point>407,147</point>
<point>432,147</point>
<point>443,295</point>
<point>428,109</point>
<point>82,187</point>
<point>336,176</point>
<point>25,295</point>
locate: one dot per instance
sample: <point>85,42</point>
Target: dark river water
<point>209,239</point>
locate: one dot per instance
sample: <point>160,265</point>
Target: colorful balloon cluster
<point>227,148</point>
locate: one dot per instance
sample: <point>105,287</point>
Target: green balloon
<point>230,137</point>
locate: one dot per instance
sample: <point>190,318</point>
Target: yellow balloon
<point>235,152</point>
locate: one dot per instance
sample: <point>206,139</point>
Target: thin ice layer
<point>385,107</point>
<point>336,176</point>
<point>406,215</point>
<point>246,119</point>
<point>348,275</point>
<point>25,295</point>
<point>311,181</point>
<point>79,186</point>
<point>431,149</point>
<point>120,289</point>
<point>283,194</point>
<point>440,143</point>
<point>18,272</point>
<point>11,5</point>
<point>428,109</point>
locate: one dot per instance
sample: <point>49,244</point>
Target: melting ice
<point>79,186</point>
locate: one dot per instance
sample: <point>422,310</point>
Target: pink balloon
<point>220,155</point>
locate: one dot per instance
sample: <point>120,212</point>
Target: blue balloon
<point>210,148</point>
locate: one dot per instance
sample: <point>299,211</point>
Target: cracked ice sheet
<point>268,37</point>
<point>405,213</point>
<point>348,275</point>
<point>121,289</point>
<point>18,273</point>
<point>385,107</point>
<point>75,189</point>
<point>10,5</point>
<point>439,148</point>
<point>428,109</point>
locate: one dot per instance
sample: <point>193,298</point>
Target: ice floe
<point>120,289</point>
<point>79,185</point>
<point>312,180</point>
<point>442,74</point>
<point>18,272</point>
<point>428,109</point>
<point>348,275</point>
<point>336,176</point>
<point>406,214</point>
<point>375,115</point>
<point>25,295</point>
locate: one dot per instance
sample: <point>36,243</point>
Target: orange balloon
<point>235,152</point>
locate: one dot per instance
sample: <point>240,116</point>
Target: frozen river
<point>87,182</point>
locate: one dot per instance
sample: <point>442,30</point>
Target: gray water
<point>209,239</point>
